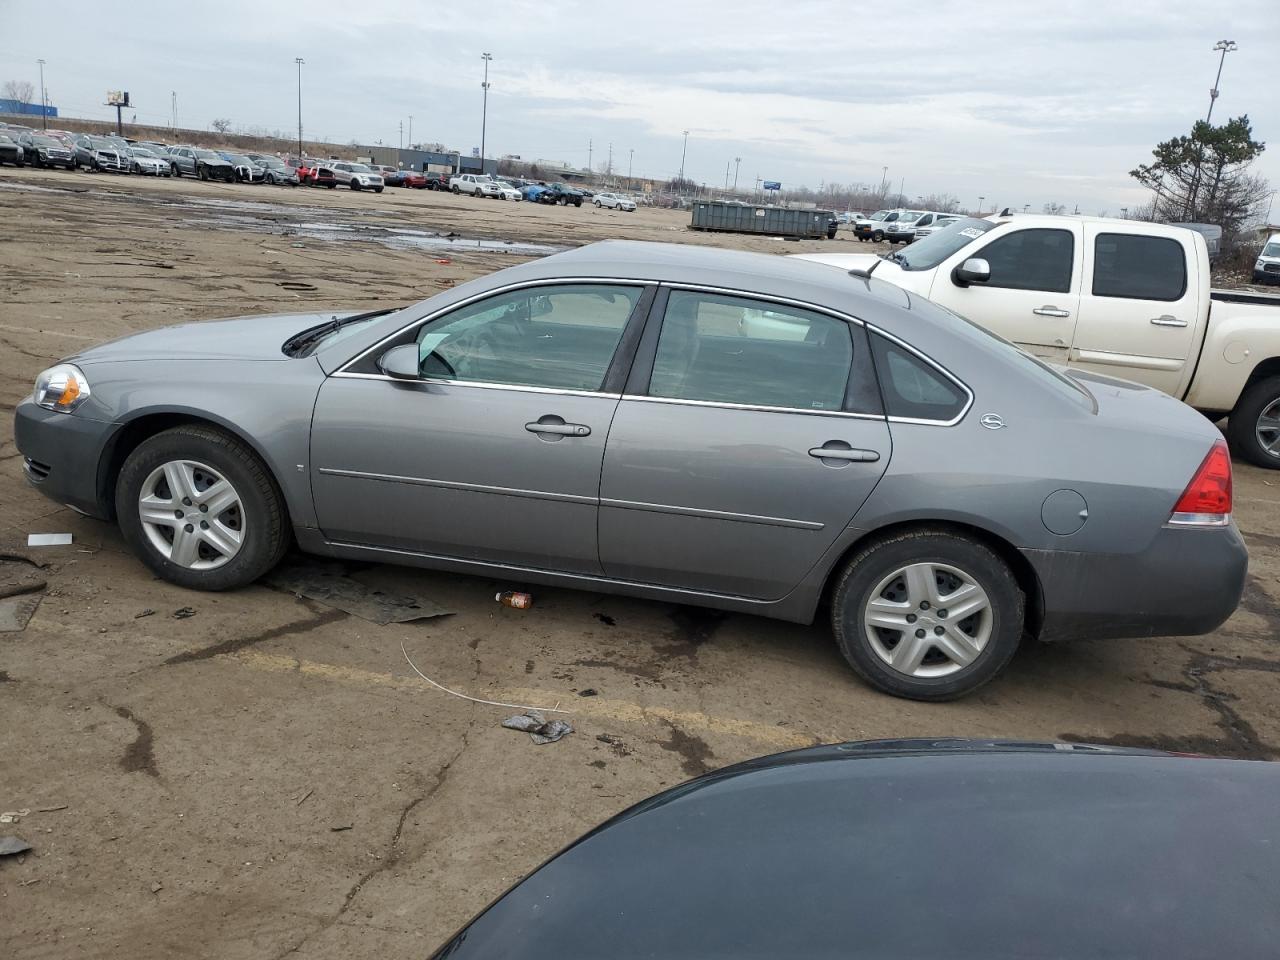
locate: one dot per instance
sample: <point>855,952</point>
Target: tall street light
<point>1226,46</point>
<point>411,131</point>
<point>980,199</point>
<point>44,101</point>
<point>631,158</point>
<point>683,151</point>
<point>737,162</point>
<point>484,110</point>
<point>299,61</point>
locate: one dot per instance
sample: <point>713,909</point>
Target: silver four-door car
<point>735,430</point>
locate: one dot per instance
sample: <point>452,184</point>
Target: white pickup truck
<point>1119,297</point>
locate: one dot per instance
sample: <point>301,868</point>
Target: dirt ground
<point>269,778</point>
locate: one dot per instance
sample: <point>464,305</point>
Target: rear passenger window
<point>1031,260</point>
<point>912,388</point>
<point>735,350</point>
<point>1139,268</point>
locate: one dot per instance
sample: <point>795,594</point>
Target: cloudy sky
<point>1018,102</point>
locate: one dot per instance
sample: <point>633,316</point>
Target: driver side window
<point>558,337</point>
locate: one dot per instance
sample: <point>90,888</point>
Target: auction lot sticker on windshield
<point>971,232</point>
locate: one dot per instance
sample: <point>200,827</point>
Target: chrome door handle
<point>1168,321</point>
<point>1050,312</point>
<point>560,429</point>
<point>844,453</point>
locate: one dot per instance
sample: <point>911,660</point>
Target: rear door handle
<point>844,453</point>
<point>554,426</point>
<point>1168,321</point>
<point>1050,312</point>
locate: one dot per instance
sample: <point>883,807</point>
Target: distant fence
<point>23,109</point>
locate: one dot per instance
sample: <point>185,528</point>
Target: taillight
<point>1207,500</point>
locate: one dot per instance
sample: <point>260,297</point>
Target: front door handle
<point>551,427</point>
<point>1168,320</point>
<point>844,453</point>
<point>1048,311</point>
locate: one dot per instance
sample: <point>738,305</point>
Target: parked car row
<point>901,225</point>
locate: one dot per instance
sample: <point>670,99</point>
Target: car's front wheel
<point>200,509</point>
<point>927,614</point>
<point>1254,425</point>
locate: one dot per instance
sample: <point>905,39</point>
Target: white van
<point>1266,269</point>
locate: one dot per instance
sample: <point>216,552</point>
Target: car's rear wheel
<point>1254,425</point>
<point>927,614</point>
<point>200,509</point>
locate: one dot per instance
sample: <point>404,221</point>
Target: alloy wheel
<point>191,515</point>
<point>928,620</point>
<point>1267,428</point>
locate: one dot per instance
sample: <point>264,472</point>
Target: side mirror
<point>401,362</point>
<point>973,270</point>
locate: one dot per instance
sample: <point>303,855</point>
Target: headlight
<point>1259,265</point>
<point>61,388</point>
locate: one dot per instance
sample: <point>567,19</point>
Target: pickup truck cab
<point>1117,297</point>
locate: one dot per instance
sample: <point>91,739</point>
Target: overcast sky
<point>1019,102</point>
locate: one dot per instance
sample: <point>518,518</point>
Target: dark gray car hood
<point>242,338</point>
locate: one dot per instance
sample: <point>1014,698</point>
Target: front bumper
<point>62,453</point>
<point>1186,583</point>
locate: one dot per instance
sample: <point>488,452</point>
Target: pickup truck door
<point>1034,290</point>
<point>1140,313</point>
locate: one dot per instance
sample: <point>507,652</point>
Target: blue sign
<point>772,185</point>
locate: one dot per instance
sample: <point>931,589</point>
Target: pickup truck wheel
<point>455,189</point>
<point>927,614</point>
<point>1254,425</point>
<point>877,236</point>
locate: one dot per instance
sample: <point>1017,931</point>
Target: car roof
<point>929,849</point>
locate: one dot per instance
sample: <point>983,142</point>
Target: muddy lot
<point>268,777</point>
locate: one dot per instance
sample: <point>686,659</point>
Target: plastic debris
<point>589,692</point>
<point>539,728</point>
<point>329,585</point>
<point>515,599</point>
<point>13,845</point>
<point>48,539</point>
<point>340,827</point>
<point>157,887</point>
<point>13,816</point>
<point>144,613</point>
<point>183,613</point>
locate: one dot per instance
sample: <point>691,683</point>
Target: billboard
<point>117,98</point>
<point>772,185</point>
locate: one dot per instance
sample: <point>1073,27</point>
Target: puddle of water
<point>247,215</point>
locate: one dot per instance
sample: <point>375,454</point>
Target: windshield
<point>360,168</point>
<point>273,162</point>
<point>206,155</point>
<point>879,215</point>
<point>1271,250</point>
<point>45,142</point>
<point>240,160</point>
<point>929,251</point>
<point>143,152</point>
<point>327,334</point>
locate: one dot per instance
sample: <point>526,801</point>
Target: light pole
<point>411,131</point>
<point>299,61</point>
<point>631,157</point>
<point>44,101</point>
<point>980,199</point>
<point>683,151</point>
<point>1225,46</point>
<point>737,162</point>
<point>401,134</point>
<point>484,110</point>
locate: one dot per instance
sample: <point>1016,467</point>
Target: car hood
<point>242,338</point>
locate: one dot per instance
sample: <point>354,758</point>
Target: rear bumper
<point>1188,582</point>
<point>61,455</point>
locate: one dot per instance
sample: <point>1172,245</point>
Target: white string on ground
<point>463,696</point>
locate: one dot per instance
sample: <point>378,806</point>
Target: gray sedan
<point>740,431</point>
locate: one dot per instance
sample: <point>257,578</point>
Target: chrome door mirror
<point>973,270</point>
<point>401,362</point>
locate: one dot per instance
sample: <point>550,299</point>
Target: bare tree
<point>23,91</point>
<point>1055,209</point>
<point>222,125</point>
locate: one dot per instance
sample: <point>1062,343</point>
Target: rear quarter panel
<point>1240,337</point>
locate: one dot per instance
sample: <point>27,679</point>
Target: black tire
<point>332,186</point>
<point>877,236</point>
<point>353,186</point>
<point>875,562</point>
<point>266,523</point>
<point>455,189</point>
<point>1242,426</point>
<point>175,170</point>
<point>202,173</point>
<point>377,189</point>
